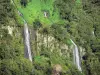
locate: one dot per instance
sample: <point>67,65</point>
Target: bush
<point>15,67</point>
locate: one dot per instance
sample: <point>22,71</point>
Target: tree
<point>15,67</point>
<point>24,2</point>
<point>12,61</point>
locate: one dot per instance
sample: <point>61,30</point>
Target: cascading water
<point>26,36</point>
<point>76,56</point>
<point>27,42</point>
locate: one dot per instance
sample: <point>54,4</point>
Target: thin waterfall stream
<point>76,56</point>
<point>27,42</point>
<point>26,36</point>
<point>26,39</point>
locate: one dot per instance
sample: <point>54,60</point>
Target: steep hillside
<point>43,10</point>
<point>49,37</point>
<point>12,59</point>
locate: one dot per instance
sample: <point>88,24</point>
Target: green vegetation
<point>12,61</point>
<point>35,10</point>
<point>83,21</point>
<point>78,20</point>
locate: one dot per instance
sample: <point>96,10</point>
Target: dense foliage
<point>81,22</point>
<point>84,26</point>
<point>12,61</point>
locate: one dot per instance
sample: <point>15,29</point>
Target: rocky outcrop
<point>49,43</point>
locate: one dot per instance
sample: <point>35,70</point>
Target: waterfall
<point>27,42</point>
<point>76,56</point>
<point>26,35</point>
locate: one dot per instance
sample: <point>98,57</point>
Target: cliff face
<point>50,43</point>
<point>41,42</point>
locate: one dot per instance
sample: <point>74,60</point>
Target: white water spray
<point>27,42</point>
<point>76,56</point>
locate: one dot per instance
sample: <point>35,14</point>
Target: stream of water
<point>26,36</point>
<point>27,42</point>
<point>76,56</point>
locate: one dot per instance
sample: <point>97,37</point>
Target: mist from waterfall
<point>76,56</point>
<point>27,42</point>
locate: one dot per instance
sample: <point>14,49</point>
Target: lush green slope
<point>12,61</point>
<point>78,20</point>
<point>35,10</point>
<point>84,27</point>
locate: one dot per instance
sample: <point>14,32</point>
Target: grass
<point>34,10</point>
